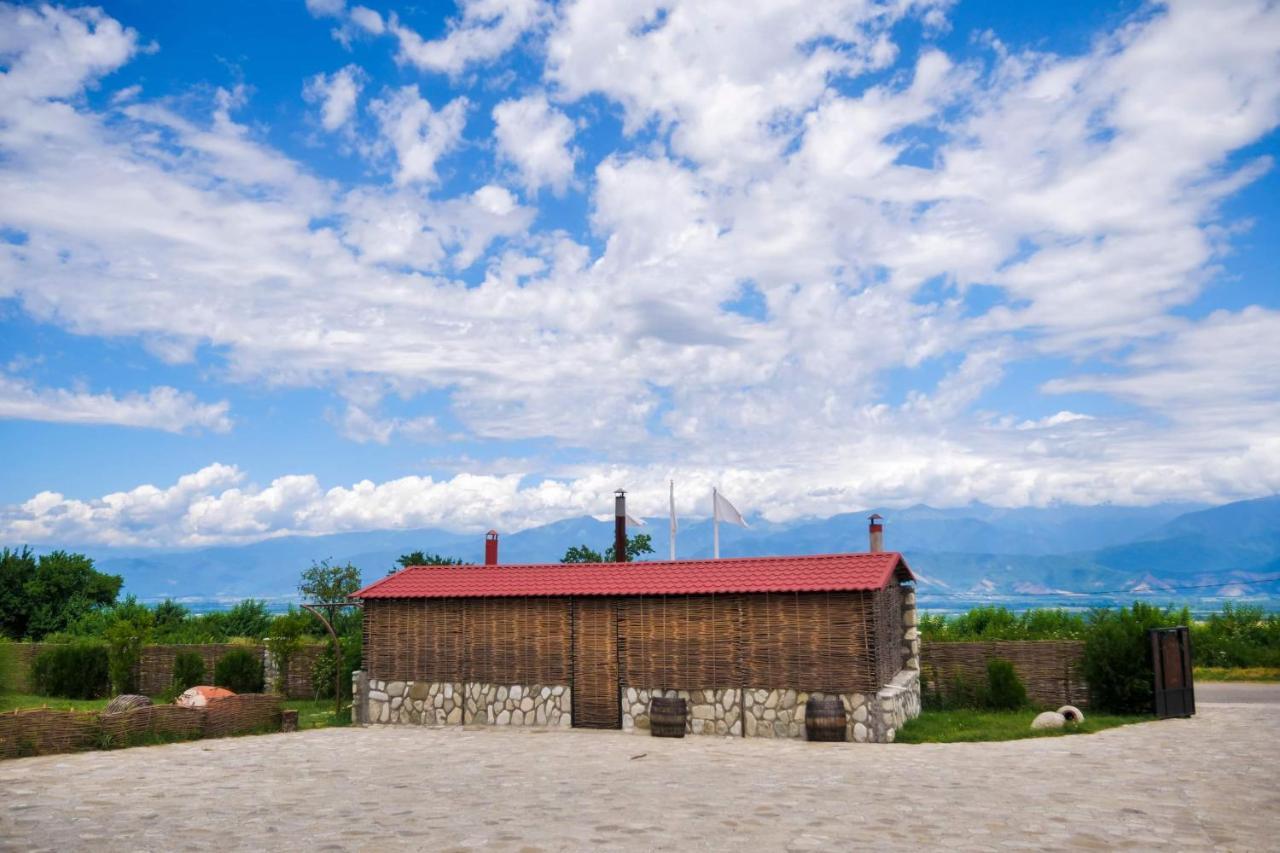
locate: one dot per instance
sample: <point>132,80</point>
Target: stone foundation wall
<point>707,712</point>
<point>519,705</point>
<point>423,703</point>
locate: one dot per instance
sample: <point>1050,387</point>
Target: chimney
<point>491,548</point>
<point>877,533</point>
<point>620,526</point>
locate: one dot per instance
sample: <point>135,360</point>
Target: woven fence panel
<point>681,642</point>
<point>154,674</point>
<point>43,732</point>
<point>245,712</point>
<point>596,703</point>
<point>1049,669</point>
<point>517,641</point>
<point>811,641</point>
<point>164,720</point>
<point>22,656</point>
<point>298,683</point>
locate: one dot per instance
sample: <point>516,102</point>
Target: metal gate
<point>1171,659</point>
<point>596,703</point>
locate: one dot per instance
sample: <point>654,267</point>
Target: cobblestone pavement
<point>1211,781</point>
<point>1216,692</point>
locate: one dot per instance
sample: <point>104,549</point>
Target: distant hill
<point>972,551</point>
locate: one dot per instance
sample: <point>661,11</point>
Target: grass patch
<point>1236,673</point>
<point>24,701</point>
<point>966,726</point>
<point>317,713</point>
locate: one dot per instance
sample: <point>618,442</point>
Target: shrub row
<point>88,669</point>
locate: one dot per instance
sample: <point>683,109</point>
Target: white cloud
<point>161,408</point>
<point>326,8</point>
<point>361,426</point>
<point>486,30</point>
<point>336,94</point>
<point>858,216</point>
<point>76,47</point>
<point>538,139</point>
<point>368,20</point>
<point>418,134</point>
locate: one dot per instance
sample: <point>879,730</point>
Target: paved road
<point>1212,781</point>
<point>1231,692</point>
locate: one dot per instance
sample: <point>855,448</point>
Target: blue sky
<point>308,267</point>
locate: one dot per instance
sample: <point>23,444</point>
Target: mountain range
<point>961,555</point>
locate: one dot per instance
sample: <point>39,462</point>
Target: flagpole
<point>715,526</point>
<point>673,521</point>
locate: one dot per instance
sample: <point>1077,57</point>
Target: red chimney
<point>619,526</point>
<point>877,533</point>
<point>491,548</point>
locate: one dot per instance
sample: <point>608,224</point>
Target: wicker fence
<point>1050,670</point>
<point>45,732</point>
<point>154,672</point>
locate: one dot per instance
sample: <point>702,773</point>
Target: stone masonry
<point>710,712</point>
<point>423,703</point>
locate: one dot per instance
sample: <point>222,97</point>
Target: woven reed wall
<point>835,642</point>
<point>596,699</point>
<point>889,633</point>
<point>1049,669</point>
<point>43,731</point>
<point>681,642</point>
<point>489,640</point>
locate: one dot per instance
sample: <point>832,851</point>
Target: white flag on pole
<point>674,526</point>
<point>726,511</point>
<point>637,522</point>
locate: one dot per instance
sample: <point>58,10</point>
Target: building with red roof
<point>746,642</point>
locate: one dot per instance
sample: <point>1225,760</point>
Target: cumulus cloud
<point>933,225</point>
<point>485,30</point>
<point>336,94</point>
<point>418,134</point>
<point>537,139</point>
<point>161,408</point>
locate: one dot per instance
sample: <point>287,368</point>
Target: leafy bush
<point>1239,636</point>
<point>284,638</point>
<point>322,669</point>
<point>188,671</point>
<point>124,652</point>
<point>1117,656</point>
<point>77,670</point>
<point>8,666</point>
<point>1004,689</point>
<point>1000,623</point>
<point>240,671</point>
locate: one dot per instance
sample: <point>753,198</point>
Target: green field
<point>312,714</point>
<point>967,726</point>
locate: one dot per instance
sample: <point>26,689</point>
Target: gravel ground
<point>1209,782</point>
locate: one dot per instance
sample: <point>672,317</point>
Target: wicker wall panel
<point>596,703</point>
<point>811,641</point>
<point>888,633</point>
<point>517,641</point>
<point>682,642</point>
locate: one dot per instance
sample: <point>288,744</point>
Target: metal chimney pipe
<point>877,533</point>
<point>491,548</point>
<point>620,526</point>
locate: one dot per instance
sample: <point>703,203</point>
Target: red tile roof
<point>810,573</point>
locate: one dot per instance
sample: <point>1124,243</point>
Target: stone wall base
<point>708,712</point>
<point>431,703</point>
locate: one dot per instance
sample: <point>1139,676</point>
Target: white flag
<point>726,511</point>
<point>638,522</point>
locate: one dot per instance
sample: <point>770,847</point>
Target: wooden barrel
<point>825,719</point>
<point>666,717</point>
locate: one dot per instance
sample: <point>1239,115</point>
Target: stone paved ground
<point>1212,781</point>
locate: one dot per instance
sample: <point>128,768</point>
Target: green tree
<point>169,616</point>
<point>421,558</point>
<point>124,650</point>
<point>63,588</point>
<point>327,583</point>
<point>17,568</point>
<point>249,618</point>
<point>636,546</point>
